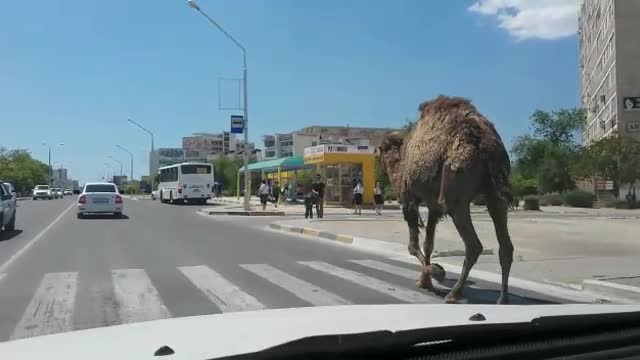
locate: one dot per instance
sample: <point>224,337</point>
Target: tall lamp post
<point>245,129</point>
<point>150,133</point>
<point>130,154</point>
<point>118,161</point>
<point>50,169</point>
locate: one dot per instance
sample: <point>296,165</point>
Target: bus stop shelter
<point>284,170</point>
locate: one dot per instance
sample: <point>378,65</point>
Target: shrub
<point>551,200</point>
<point>390,193</point>
<point>579,198</point>
<point>531,203</point>
<point>480,199</point>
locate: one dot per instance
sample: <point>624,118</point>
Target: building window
<point>314,143</point>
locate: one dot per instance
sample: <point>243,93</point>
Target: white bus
<point>192,182</point>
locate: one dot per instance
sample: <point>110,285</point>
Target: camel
<point>452,154</point>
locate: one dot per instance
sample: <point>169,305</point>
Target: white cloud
<point>532,19</point>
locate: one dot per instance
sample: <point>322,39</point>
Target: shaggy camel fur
<point>453,154</point>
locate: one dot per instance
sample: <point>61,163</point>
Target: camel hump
<point>445,103</point>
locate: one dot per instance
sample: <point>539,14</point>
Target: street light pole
<point>150,154</point>
<point>130,154</point>
<point>247,192</point>
<point>118,161</point>
<point>50,170</point>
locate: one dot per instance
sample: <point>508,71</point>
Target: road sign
<point>237,124</point>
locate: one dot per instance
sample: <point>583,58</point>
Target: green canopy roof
<point>287,163</point>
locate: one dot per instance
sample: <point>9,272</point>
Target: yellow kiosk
<point>339,165</point>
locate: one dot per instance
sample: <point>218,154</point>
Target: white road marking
<point>219,290</point>
<point>384,287</point>
<point>300,288</point>
<point>17,254</point>
<point>395,270</point>
<point>137,298</point>
<point>51,308</point>
<point>2,276</point>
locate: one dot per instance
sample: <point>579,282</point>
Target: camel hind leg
<point>461,216</point>
<point>498,210</point>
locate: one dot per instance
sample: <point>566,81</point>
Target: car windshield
<point>189,157</point>
<point>105,188</point>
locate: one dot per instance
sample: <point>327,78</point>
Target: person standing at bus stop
<point>263,193</point>
<point>318,187</point>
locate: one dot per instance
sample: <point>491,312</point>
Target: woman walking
<point>378,198</point>
<point>357,197</point>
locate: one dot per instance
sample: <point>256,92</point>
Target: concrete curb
<point>592,291</point>
<point>365,243</point>
<point>241,212</point>
<point>23,198</point>
<point>615,290</point>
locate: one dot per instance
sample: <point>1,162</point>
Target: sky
<point>73,71</point>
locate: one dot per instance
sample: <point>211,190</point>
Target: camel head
<point>390,153</point>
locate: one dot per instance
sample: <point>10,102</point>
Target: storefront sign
<point>314,154</point>
<point>633,127</point>
<point>631,104</point>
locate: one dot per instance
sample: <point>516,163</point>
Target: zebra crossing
<point>137,298</point>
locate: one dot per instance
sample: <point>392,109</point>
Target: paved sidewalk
<point>601,247</point>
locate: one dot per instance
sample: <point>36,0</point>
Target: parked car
<point>100,198</point>
<point>76,191</point>
<point>154,194</point>
<point>57,193</point>
<point>7,208</point>
<point>42,192</point>
<point>67,192</point>
<point>12,190</point>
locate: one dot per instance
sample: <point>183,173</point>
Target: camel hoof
<point>455,299</point>
<point>437,273</point>
<point>424,282</point>
<point>503,300</point>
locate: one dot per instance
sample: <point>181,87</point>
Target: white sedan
<point>100,198</point>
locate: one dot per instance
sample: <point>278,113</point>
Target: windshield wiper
<point>590,332</point>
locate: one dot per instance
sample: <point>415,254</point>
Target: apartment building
<point>294,143</point>
<point>609,71</point>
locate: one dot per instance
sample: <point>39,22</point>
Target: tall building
<point>209,144</point>
<point>293,144</point>
<point>609,71</point>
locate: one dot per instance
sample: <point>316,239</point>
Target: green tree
<point>226,172</point>
<point>21,170</point>
<point>548,151</point>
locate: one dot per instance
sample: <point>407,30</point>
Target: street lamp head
<point>193,4</point>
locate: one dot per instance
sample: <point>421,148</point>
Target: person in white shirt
<point>263,193</point>
<point>357,196</point>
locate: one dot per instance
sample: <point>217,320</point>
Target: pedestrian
<point>263,193</point>
<point>275,193</point>
<point>309,200</point>
<point>378,198</point>
<point>318,187</point>
<point>357,197</point>
<point>354,182</point>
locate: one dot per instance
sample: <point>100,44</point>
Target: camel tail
<point>499,170</point>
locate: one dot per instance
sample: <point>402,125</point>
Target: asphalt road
<point>59,273</point>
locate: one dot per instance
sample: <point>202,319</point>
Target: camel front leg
<point>411,216</point>
<point>434,270</point>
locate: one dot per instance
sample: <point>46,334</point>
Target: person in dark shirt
<point>310,198</point>
<point>318,187</point>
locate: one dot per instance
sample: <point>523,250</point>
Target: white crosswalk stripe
<point>137,298</point>
<point>51,308</point>
<point>392,269</point>
<point>384,287</point>
<point>227,296</point>
<point>300,288</point>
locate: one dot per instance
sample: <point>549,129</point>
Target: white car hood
<point>210,336</point>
